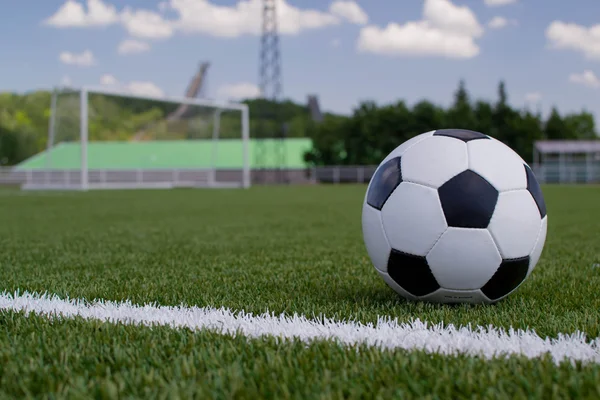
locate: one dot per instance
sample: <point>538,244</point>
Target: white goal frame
<point>84,183</point>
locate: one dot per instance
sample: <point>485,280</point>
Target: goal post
<point>101,138</point>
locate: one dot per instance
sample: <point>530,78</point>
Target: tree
<point>15,146</point>
<point>8,146</point>
<point>525,129</point>
<point>328,142</point>
<point>555,127</point>
<point>460,115</point>
<point>581,126</point>
<point>484,117</point>
<point>426,117</point>
<point>502,117</point>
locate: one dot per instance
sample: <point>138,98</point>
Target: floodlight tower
<point>271,89</point>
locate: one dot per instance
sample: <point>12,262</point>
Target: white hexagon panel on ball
<point>433,161</point>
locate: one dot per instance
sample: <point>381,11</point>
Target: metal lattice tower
<point>271,90</point>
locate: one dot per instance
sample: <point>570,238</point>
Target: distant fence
<point>184,177</point>
<point>575,173</point>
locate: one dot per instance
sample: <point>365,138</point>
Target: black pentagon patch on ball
<point>509,275</point>
<point>462,134</point>
<point>384,182</point>
<point>536,191</point>
<point>411,273</point>
<point>468,200</point>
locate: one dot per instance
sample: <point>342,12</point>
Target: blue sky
<point>450,40</point>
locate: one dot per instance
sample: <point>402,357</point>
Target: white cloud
<point>132,46</point>
<point>238,91</point>
<point>108,80</point>
<point>447,16</point>
<point>85,59</point>
<point>350,11</point>
<point>569,36</point>
<point>203,17</point>
<point>446,30</point>
<point>163,6</point>
<point>498,3</point>
<point>533,97</point>
<point>146,24</point>
<point>586,78</point>
<point>140,88</point>
<point>74,14</point>
<point>500,22</point>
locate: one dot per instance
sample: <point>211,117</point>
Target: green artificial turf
<point>81,359</point>
<point>282,249</point>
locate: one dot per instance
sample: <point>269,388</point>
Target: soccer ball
<point>454,216</point>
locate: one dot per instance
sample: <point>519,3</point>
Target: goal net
<point>102,139</point>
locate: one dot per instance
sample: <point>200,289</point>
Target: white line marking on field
<point>487,342</point>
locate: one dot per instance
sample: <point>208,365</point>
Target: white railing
<point>121,178</point>
<point>137,178</point>
<point>581,172</point>
<point>342,174</point>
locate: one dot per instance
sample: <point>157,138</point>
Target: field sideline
<point>285,250</point>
